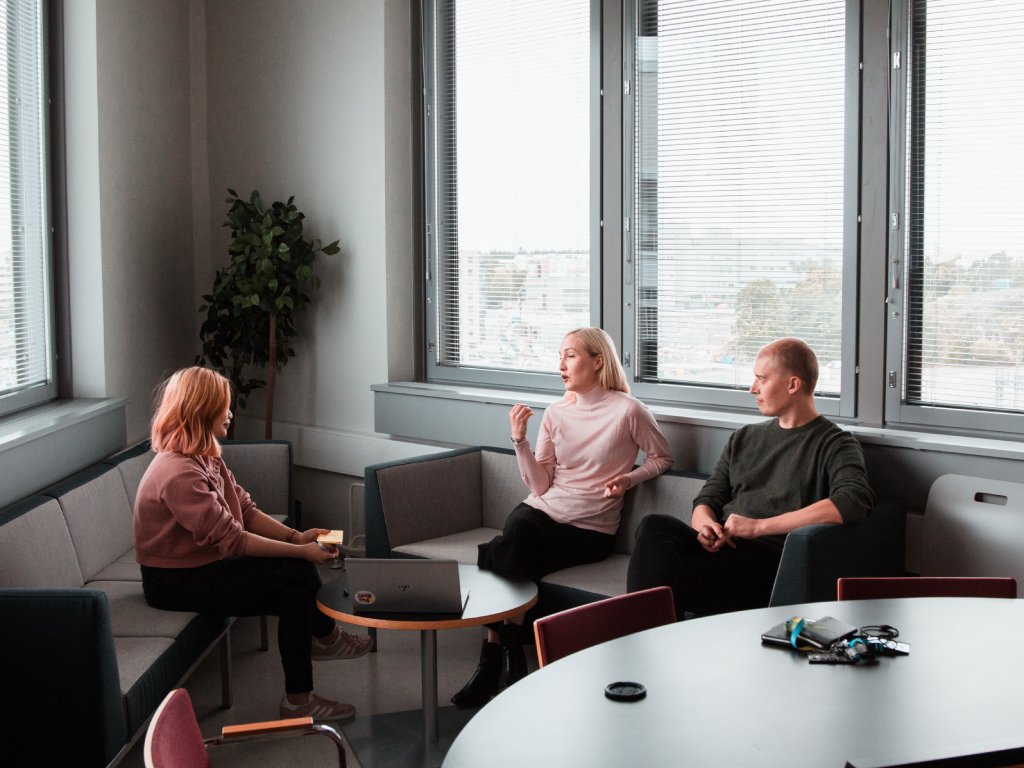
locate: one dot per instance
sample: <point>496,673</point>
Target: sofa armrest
<point>59,664</point>
<point>815,556</point>
<point>421,498</point>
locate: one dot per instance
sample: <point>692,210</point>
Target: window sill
<point>41,445</point>
<point>424,418</point>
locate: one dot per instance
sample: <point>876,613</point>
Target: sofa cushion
<point>263,469</point>
<point>671,493</point>
<point>132,616</point>
<point>35,546</point>
<point>149,667</point>
<point>502,487</point>
<point>98,515</point>
<point>125,568</point>
<point>132,464</point>
<point>435,497</point>
<point>607,577</point>
<point>459,546</point>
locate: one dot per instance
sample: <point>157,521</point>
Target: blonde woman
<point>205,546</point>
<point>577,475</point>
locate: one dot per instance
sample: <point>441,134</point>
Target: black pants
<point>532,545</point>
<point>667,553</point>
<point>251,586</point>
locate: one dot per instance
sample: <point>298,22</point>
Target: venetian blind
<point>965,234</point>
<point>512,181</point>
<point>739,185</point>
<point>25,359</point>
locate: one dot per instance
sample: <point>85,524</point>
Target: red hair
<point>190,403</point>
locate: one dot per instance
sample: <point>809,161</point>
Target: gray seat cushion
<point>607,577</point>
<point>458,546</point>
<point>132,616</point>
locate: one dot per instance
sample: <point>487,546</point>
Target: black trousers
<point>532,545</point>
<point>251,586</point>
<point>667,552</point>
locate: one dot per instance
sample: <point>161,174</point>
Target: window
<point>509,199</point>
<point>739,189</point>
<point>841,171</point>
<point>26,357</point>
<point>960,182</point>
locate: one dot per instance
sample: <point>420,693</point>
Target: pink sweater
<point>584,444</point>
<point>189,511</point>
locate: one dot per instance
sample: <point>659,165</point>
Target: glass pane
<point>514,181</point>
<point>24,307</point>
<point>739,185</point>
<point>965,242</point>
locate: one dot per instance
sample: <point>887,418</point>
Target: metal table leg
<point>428,674</point>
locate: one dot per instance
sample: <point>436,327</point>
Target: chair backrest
<point>173,739</point>
<point>926,586</point>
<point>973,526</point>
<point>573,630</point>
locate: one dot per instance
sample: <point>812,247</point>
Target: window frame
<point>438,133</point>
<point>899,411</point>
<point>696,395</point>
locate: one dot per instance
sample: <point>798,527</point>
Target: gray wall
<point>170,102</point>
<point>130,199</point>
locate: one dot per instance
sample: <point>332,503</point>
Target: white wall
<point>170,102</point>
<point>129,198</point>
<point>296,106</point>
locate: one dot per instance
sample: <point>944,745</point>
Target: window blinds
<point>24,279</point>
<point>513,180</point>
<point>738,188</point>
<point>965,194</point>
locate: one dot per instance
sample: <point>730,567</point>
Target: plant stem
<point>271,376</point>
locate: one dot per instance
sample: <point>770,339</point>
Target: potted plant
<point>250,314</point>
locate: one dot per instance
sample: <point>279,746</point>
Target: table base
<point>396,739</point>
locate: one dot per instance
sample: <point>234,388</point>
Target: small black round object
<point>625,691</point>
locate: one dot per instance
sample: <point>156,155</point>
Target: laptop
<point>393,585</point>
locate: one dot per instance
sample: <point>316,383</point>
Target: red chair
<point>573,630</point>
<point>173,739</point>
<point>870,588</point>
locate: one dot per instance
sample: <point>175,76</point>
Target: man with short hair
<point>796,469</point>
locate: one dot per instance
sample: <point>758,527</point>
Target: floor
<point>380,683</point>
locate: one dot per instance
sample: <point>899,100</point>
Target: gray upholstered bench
<point>444,505</point>
<point>81,648</point>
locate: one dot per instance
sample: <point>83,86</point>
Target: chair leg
<point>264,638</point>
<point>225,670</point>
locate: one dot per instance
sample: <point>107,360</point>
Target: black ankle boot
<point>484,683</point>
<point>513,659</point>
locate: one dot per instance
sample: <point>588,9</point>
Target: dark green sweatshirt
<point>765,471</point>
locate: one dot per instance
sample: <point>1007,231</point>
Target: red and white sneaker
<point>341,645</point>
<point>318,708</point>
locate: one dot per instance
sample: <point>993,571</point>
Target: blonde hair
<point>596,342</point>
<point>189,403</point>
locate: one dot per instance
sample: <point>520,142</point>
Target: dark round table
<point>717,697</point>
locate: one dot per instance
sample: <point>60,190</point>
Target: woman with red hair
<point>205,546</point>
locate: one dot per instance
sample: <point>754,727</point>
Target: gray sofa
<point>85,661</point>
<point>444,505</point>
